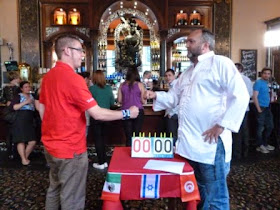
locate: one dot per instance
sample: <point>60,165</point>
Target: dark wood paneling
<point>276,65</point>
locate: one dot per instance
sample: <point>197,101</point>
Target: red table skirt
<point>131,170</point>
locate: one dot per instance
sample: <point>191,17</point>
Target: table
<point>131,172</point>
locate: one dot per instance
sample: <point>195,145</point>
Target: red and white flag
<point>189,188</point>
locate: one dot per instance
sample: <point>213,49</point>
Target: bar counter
<point>153,123</point>
<point>115,135</point>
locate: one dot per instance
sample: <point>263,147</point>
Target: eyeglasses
<point>81,50</point>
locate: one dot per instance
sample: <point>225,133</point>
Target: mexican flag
<point>112,187</point>
<point>189,188</point>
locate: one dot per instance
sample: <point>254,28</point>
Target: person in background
<point>22,128</point>
<point>264,116</point>
<point>38,122</point>
<point>103,94</point>
<point>240,142</point>
<point>86,76</point>
<point>131,93</point>
<point>171,115</point>
<point>9,92</point>
<point>241,139</point>
<point>147,80</point>
<point>12,89</point>
<point>64,98</point>
<point>212,103</point>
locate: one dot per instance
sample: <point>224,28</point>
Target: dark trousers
<point>264,126</point>
<point>240,141</point>
<point>99,129</point>
<point>133,126</point>
<point>11,147</point>
<point>171,126</point>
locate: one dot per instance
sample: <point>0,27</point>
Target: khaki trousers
<point>67,182</point>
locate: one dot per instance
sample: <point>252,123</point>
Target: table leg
<point>112,205</point>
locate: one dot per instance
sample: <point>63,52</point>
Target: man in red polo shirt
<point>64,98</point>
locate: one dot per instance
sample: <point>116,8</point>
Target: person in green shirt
<point>103,94</point>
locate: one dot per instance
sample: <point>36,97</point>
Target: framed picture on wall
<point>249,61</point>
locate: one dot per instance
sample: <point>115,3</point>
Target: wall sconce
<point>24,71</point>
<point>271,38</point>
<point>195,18</point>
<point>74,17</point>
<point>181,18</point>
<point>59,16</point>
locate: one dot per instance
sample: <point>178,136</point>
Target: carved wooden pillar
<point>169,55</point>
<point>29,32</point>
<point>163,37</point>
<point>222,29</point>
<point>47,54</point>
<point>94,39</point>
<point>88,63</point>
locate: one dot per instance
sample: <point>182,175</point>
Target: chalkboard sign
<point>249,62</point>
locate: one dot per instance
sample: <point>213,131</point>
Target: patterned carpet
<point>254,184</point>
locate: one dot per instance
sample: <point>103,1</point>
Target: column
<point>163,36</point>
<point>94,35</point>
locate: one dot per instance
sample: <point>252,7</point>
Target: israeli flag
<point>150,186</point>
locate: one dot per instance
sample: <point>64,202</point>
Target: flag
<point>189,189</point>
<point>112,187</point>
<point>150,186</point>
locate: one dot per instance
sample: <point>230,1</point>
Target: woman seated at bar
<point>22,128</point>
<point>131,93</point>
<point>103,94</point>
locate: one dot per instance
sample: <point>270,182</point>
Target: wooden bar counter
<point>115,135</point>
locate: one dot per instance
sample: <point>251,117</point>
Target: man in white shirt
<point>212,103</point>
<point>240,142</point>
<point>171,115</point>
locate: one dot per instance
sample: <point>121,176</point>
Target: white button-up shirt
<point>172,111</point>
<point>213,92</point>
<point>249,86</point>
